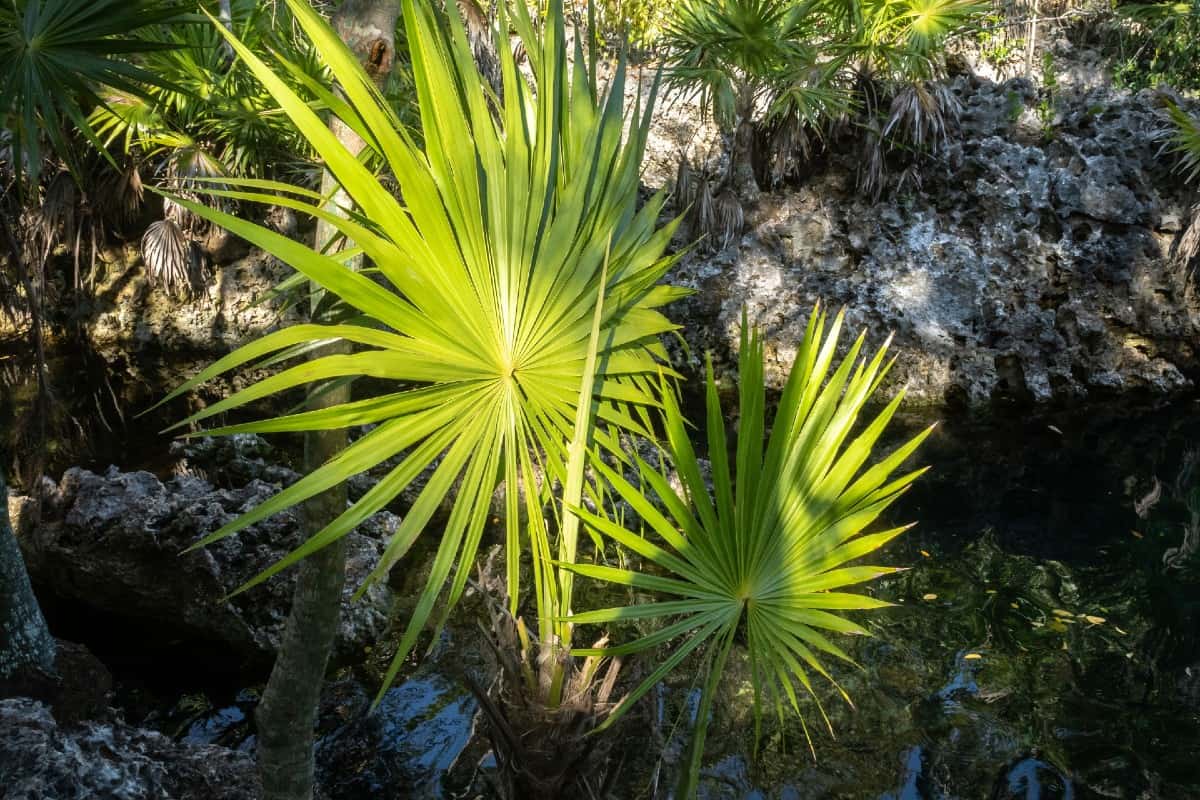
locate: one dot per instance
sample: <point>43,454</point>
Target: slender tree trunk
<point>287,713</point>
<point>25,641</point>
<point>225,17</point>
<point>1031,45</point>
<point>741,164</point>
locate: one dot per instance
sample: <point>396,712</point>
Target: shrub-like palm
<point>741,54</point>
<point>54,57</point>
<point>763,555</point>
<point>517,214</point>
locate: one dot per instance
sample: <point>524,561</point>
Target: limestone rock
<point>116,543</point>
<point>1025,268</point>
<point>39,760</point>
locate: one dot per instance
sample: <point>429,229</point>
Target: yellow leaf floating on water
<point>1136,534</point>
<point>1013,605</point>
<point>930,596</point>
<point>926,554</point>
<point>972,657</point>
<point>1118,630</point>
<point>1092,618</point>
<point>1058,612</point>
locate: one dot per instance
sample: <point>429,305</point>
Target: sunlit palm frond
<point>766,553</point>
<point>480,316</point>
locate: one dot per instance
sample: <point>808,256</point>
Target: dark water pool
<point>1045,643</point>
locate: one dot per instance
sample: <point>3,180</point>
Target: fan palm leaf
<point>489,271</point>
<point>54,57</point>
<point>768,552</point>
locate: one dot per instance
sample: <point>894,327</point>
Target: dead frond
<point>172,258</point>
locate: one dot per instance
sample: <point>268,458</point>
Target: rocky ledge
<point>115,543</point>
<point>39,760</point>
<point>1034,263</point>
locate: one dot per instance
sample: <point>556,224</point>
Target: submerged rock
<point>111,760</point>
<point>115,543</point>
<point>1028,266</point>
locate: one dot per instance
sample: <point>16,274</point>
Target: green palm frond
<point>718,46</point>
<point>767,552</point>
<point>54,57</point>
<point>925,24</point>
<point>1183,139</point>
<point>480,315</point>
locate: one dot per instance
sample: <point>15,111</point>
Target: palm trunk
<point>225,17</point>
<point>287,713</point>
<point>25,641</point>
<point>741,164</point>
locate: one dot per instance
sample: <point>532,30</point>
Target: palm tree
<point>519,217</point>
<point>738,55</point>
<point>762,557</point>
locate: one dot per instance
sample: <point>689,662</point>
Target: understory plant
<point>207,117</point>
<point>1156,43</point>
<point>508,317</point>
<point>56,58</point>
<point>760,558</point>
<point>516,218</point>
<point>781,76</point>
<point>897,52</point>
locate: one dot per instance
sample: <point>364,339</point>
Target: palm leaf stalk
<point>480,315</point>
<point>765,555</point>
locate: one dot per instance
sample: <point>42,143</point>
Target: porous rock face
<point>157,340</point>
<point>114,542</point>
<point>40,760</point>
<point>1033,263</point>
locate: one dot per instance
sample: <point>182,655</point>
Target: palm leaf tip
<point>777,554</point>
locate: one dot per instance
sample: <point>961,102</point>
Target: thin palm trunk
<point>741,164</point>
<point>225,17</point>
<point>25,641</point>
<point>286,715</point>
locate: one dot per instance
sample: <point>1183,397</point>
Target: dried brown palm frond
<point>543,751</point>
<point>54,221</point>
<point>171,257</point>
<point>704,212</point>
<point>685,185</point>
<point>478,24</point>
<point>784,145</point>
<point>118,196</point>
<point>729,219</point>
<point>872,169</point>
<point>920,120</point>
<point>922,115</point>
<point>1189,243</point>
<point>191,172</point>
